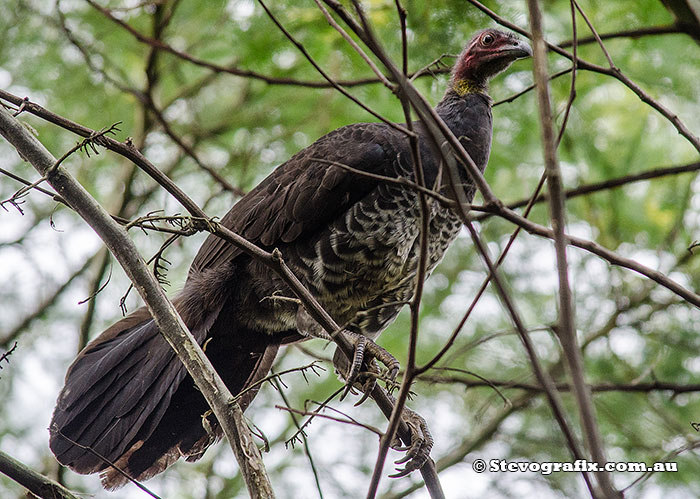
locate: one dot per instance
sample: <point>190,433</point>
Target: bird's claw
<point>418,451</point>
<point>370,383</point>
<point>367,351</point>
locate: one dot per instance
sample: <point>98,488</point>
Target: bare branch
<point>651,386</point>
<point>671,29</point>
<point>572,89</point>
<point>33,185</point>
<point>330,80</point>
<point>108,462</point>
<point>6,355</point>
<point>400,181</point>
<point>45,304</point>
<point>34,482</point>
<point>230,69</point>
<point>347,420</point>
<point>606,254</point>
<point>189,151</point>
<point>278,385</point>
<point>355,46</point>
<point>595,35</point>
<point>531,87</point>
<point>586,189</point>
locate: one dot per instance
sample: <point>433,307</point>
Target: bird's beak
<point>518,50</point>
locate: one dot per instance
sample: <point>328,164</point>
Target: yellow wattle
<point>463,87</point>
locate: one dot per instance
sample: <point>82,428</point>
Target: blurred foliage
<point>72,59</point>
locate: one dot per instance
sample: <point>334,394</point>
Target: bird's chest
<point>369,256</point>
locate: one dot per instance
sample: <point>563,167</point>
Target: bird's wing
<point>304,193</point>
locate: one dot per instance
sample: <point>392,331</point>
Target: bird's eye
<point>487,39</point>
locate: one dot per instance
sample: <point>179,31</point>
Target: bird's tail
<point>128,403</point>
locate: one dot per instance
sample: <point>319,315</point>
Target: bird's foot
<point>368,352</point>
<point>418,451</point>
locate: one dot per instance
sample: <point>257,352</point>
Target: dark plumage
<point>353,241</point>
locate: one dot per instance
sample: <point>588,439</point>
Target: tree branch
<point>652,386</point>
<point>613,183</point>
<point>671,29</point>
<point>34,482</point>
<point>231,69</point>
<point>45,304</point>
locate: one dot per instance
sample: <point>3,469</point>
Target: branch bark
<point>34,482</point>
<point>585,189</point>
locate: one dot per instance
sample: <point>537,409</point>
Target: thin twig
<point>572,89</point>
<point>355,46</point>
<point>89,315</point>
<point>230,69</point>
<point>531,87</point>
<point>33,185</point>
<point>595,35</point>
<point>671,455</point>
<point>330,80</point>
<point>643,387</point>
<point>5,357</point>
<point>307,450</point>
<point>85,145</point>
<point>300,434</point>
<point>604,253</point>
<point>670,29</point>
<point>346,420</point>
<point>400,181</point>
<point>189,151</point>
<point>585,189</point>
<point>313,367</point>
<point>108,462</point>
<point>47,303</point>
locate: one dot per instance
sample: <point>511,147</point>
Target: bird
<point>128,408</point>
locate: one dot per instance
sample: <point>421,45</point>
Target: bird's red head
<point>488,53</point>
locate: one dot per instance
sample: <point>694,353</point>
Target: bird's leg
<point>369,352</point>
<point>366,351</point>
<point>421,442</point>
